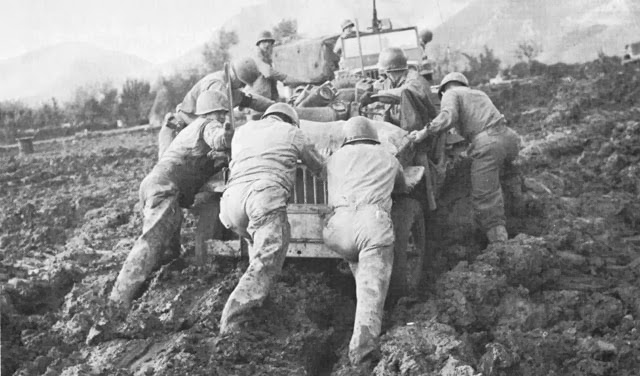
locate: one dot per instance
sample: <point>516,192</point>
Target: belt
<point>354,206</point>
<point>496,124</point>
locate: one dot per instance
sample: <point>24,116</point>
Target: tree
<point>135,102</point>
<point>95,106</point>
<point>286,31</point>
<point>170,90</point>
<point>482,68</point>
<point>216,52</point>
<point>528,50</point>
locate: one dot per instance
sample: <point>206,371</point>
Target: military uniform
<point>262,176</point>
<point>172,184</point>
<point>494,146</point>
<point>360,180</point>
<point>185,111</point>
<point>415,108</point>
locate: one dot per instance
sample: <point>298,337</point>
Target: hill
<point>569,32</point>
<point>57,71</point>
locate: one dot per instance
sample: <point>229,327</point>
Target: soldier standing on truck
<point>493,148</point>
<point>266,84</point>
<point>360,178</point>
<point>426,68</point>
<point>196,154</point>
<point>263,171</point>
<point>348,30</point>
<point>243,72</point>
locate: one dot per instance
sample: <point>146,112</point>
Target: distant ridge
<point>58,70</point>
<point>569,31</point>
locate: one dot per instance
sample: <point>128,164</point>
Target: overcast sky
<point>156,30</point>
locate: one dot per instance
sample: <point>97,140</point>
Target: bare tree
<point>286,31</point>
<point>528,50</point>
<point>216,52</point>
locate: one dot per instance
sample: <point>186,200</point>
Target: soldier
<point>243,72</point>
<point>197,153</point>
<point>411,107</point>
<point>266,84</point>
<point>426,68</point>
<point>360,178</point>
<point>348,30</point>
<point>414,108</point>
<point>263,171</point>
<point>494,146</point>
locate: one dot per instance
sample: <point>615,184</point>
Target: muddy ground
<point>562,297</point>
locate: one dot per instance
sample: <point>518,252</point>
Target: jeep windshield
<point>373,43</point>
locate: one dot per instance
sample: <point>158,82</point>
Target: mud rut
<point>561,298</point>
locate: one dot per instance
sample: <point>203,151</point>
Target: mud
<point>561,297</point>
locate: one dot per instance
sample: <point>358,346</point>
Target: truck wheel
<point>409,247</point>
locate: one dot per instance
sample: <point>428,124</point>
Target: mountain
<point>567,31</point>
<point>58,70</point>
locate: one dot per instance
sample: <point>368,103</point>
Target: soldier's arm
<point>445,120</point>
<point>217,136</point>
<point>448,115</point>
<point>310,155</point>
<point>254,101</point>
<point>417,87</point>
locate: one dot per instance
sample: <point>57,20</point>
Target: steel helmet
<point>283,110</point>
<point>359,128</point>
<point>246,70</point>
<point>392,59</point>
<point>452,77</point>
<point>426,36</point>
<point>347,23</point>
<point>210,101</point>
<point>265,36</point>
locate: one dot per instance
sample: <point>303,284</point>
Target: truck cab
<point>371,44</point>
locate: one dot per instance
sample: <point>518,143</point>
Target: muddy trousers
<point>255,211</point>
<point>160,240</point>
<point>364,237</point>
<point>492,154</point>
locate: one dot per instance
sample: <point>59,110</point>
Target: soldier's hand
<point>366,99</point>
<point>325,152</point>
<point>414,136</point>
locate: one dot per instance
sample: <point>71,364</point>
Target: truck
<point>322,110</point>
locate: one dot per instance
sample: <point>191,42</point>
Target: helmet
<point>210,101</point>
<point>452,77</point>
<point>359,128</point>
<point>426,36</point>
<point>283,110</point>
<point>392,59</point>
<point>346,23</point>
<point>265,36</point>
<point>246,70</point>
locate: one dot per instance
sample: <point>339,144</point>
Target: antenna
<point>375,23</point>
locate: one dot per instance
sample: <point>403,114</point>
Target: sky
<point>156,30</point>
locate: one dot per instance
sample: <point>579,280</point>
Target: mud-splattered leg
<point>270,243</point>
<point>162,219</point>
<point>372,274</point>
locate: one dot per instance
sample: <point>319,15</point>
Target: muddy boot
<point>497,234</point>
